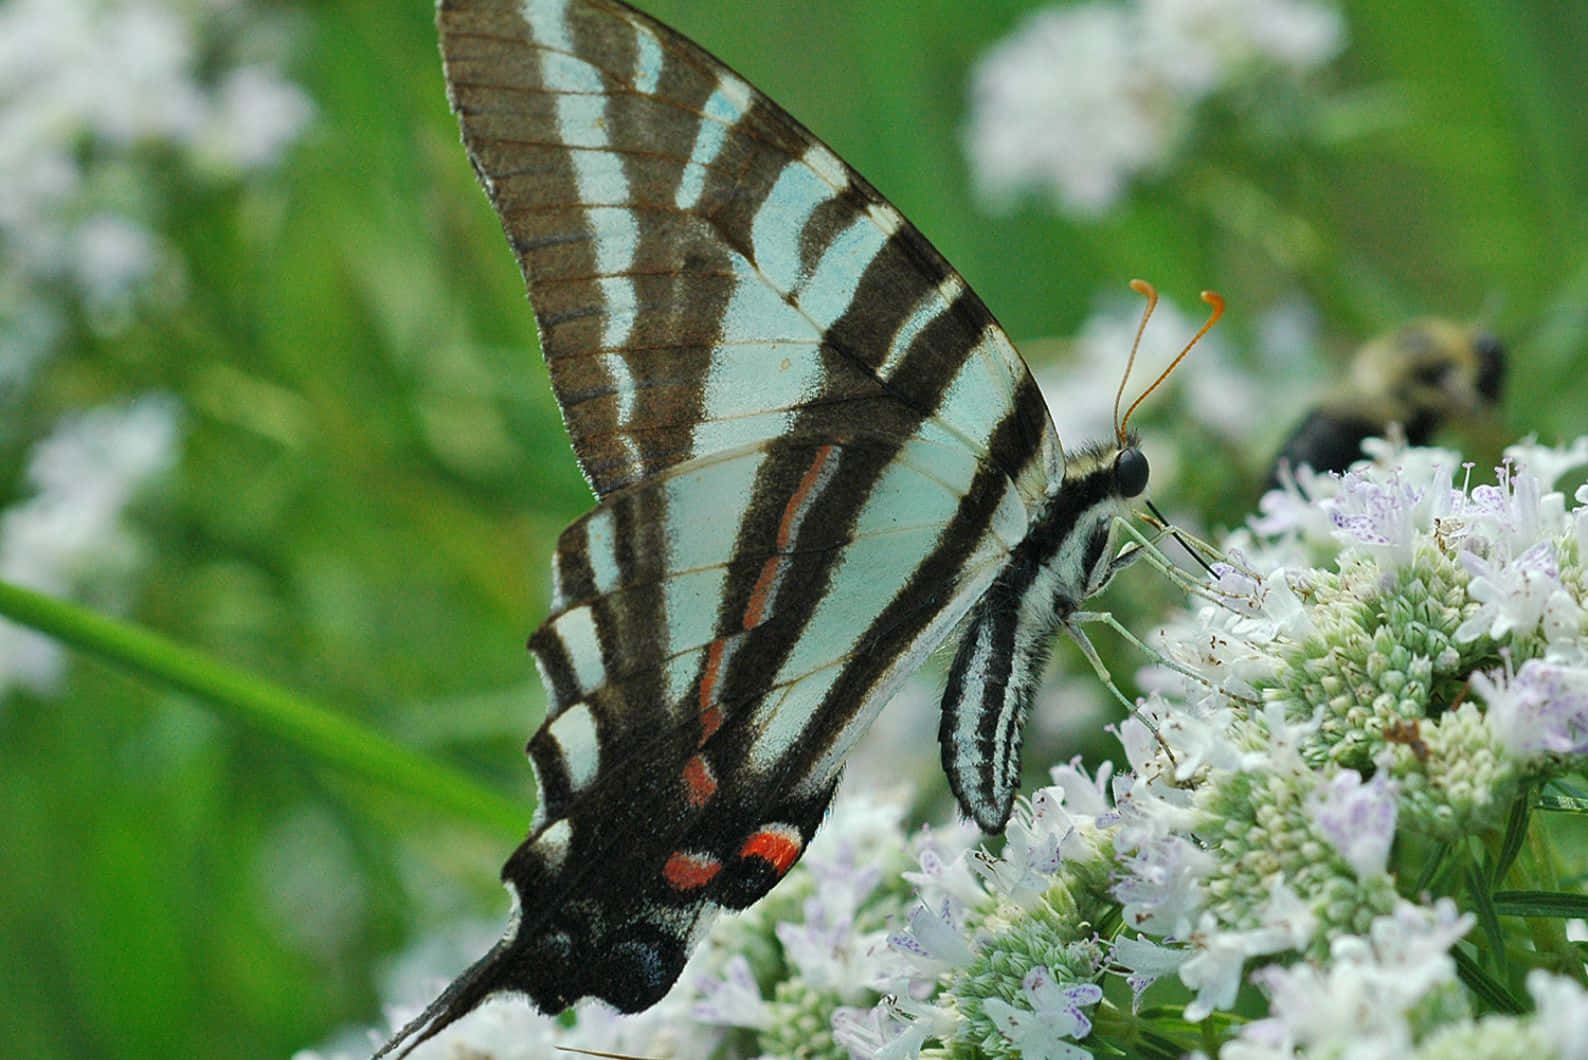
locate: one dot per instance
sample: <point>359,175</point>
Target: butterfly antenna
<point>1213,299</point>
<point>1146,290</point>
<point>597,1052</point>
<point>1150,293</point>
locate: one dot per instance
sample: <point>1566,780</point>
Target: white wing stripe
<point>648,61</point>
<point>722,110</point>
<point>579,746</point>
<point>781,729</point>
<point>975,399</point>
<point>966,722</point>
<point>599,178</point>
<point>832,284</point>
<point>973,580</point>
<point>577,631</point>
<point>600,540</point>
<point>552,844</point>
<point>757,313</point>
<point>828,166</point>
<point>775,231</point>
<point>703,508</point>
<point>932,305</point>
<point>746,378</point>
<point>548,19</point>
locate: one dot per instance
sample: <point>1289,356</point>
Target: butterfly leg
<point>1158,657</point>
<point>1072,626</point>
<point>1146,548</point>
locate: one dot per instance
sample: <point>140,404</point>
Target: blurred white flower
<point>1062,104</point>
<point>1049,1015</point>
<point>1562,1013</point>
<point>1382,516</point>
<point>68,538</point>
<point>1548,462</point>
<point>111,255</point>
<point>86,87</point>
<point>1542,710</point>
<point>256,118</point>
<point>1080,99</point>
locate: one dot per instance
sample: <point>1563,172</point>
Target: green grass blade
<point>236,695</point>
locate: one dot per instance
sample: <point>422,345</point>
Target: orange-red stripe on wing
<point>755,610</point>
<point>802,492</point>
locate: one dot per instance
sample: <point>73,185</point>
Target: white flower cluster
<point>87,87</point>
<point>1084,97</point>
<point>1390,662</point>
<point>68,538</point>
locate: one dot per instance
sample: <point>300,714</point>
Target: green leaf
<point>1436,858</point>
<point>236,695</point>
<point>1488,918</point>
<point>1540,903</point>
<point>1489,990</point>
<point>1515,836</point>
<point>1157,1047</point>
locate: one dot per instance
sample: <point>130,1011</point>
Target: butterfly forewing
<point>814,451</point>
<point>702,268</point>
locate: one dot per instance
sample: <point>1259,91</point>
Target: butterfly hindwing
<point>664,798</point>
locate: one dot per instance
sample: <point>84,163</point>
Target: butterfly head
<point>1115,470</point>
<point>1130,470</point>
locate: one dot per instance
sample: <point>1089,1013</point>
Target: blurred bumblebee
<point>1419,376</point>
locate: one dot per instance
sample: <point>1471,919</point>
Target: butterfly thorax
<point>1069,536</point>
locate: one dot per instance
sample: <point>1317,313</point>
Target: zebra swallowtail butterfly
<point>817,455</point>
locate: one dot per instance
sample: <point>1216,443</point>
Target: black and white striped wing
<point>705,273</point>
<point>814,447</point>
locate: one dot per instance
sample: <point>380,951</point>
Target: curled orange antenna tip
<point>1150,293</point>
<point>1216,302</point>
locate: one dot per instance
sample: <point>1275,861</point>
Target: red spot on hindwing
<point>779,845</point>
<point>700,784</point>
<point>690,872</point>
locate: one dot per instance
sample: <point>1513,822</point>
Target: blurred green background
<point>373,470</point>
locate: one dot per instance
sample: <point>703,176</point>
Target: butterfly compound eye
<point>1130,472</point>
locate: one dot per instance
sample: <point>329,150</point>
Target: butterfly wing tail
<point>482,978</point>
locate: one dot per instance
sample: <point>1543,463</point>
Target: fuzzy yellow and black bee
<point>1419,376</point>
